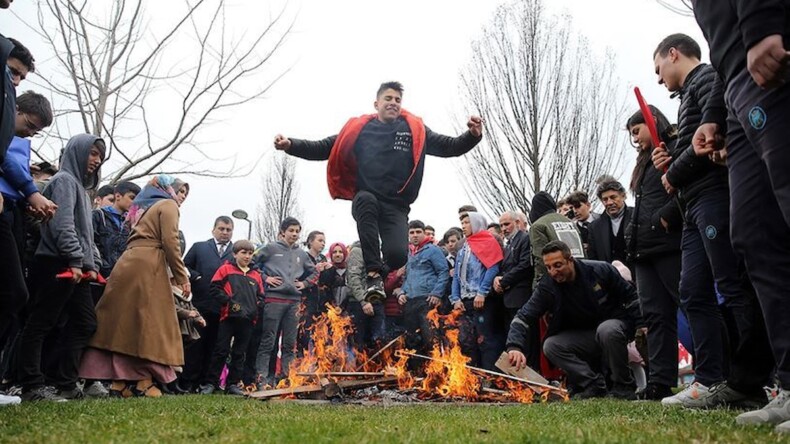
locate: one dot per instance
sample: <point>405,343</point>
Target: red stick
<point>650,121</point>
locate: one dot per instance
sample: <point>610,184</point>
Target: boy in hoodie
<point>476,266</point>
<point>19,190</point>
<point>66,247</point>
<point>427,274</point>
<point>110,231</point>
<point>288,270</point>
<point>240,290</point>
<point>549,225</point>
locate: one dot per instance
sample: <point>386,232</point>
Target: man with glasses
<point>19,194</point>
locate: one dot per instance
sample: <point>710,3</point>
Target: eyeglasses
<point>32,128</point>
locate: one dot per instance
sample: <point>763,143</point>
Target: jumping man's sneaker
<point>690,393</point>
<point>375,291</point>
<point>721,394</point>
<point>776,412</point>
<point>783,427</point>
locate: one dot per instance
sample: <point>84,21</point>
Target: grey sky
<point>342,49</point>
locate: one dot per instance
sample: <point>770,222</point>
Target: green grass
<point>222,418</point>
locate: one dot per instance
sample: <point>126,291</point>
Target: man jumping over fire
<point>377,162</point>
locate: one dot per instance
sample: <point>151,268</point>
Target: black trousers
<point>13,291</point>
<point>658,283</point>
<point>238,331</point>
<point>419,332</point>
<point>197,356</point>
<point>385,224</point>
<point>54,298</point>
<point>758,143</point>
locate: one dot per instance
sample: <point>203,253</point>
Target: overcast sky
<point>341,50</point>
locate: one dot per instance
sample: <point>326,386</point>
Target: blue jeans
<point>477,335</point>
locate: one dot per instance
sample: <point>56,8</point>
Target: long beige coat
<point>137,314</point>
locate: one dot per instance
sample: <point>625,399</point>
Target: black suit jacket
<point>203,260</point>
<point>600,241</point>
<point>517,271</point>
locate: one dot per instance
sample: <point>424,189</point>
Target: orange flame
<point>447,375</point>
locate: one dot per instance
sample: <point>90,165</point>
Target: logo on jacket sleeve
<point>757,118</point>
<point>711,232</point>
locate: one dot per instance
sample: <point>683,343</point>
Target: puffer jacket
<point>645,237</point>
<point>690,174</point>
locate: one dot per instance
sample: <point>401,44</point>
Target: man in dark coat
<point>202,261</point>
<point>607,233</point>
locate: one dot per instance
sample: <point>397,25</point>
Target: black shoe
<point>206,389</point>
<point>42,394</point>
<point>234,390</point>
<point>592,391</point>
<point>654,392</point>
<point>624,392</point>
<point>176,389</point>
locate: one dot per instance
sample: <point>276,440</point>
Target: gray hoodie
<point>69,234</point>
<point>291,264</point>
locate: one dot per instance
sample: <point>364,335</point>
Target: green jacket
<point>550,227</point>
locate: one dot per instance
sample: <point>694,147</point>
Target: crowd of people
<point>97,297</point>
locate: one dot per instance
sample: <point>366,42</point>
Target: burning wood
<point>332,369</point>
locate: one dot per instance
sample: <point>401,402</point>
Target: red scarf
<point>413,249</point>
<point>486,248</point>
<point>341,170</point>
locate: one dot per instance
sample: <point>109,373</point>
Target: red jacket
<point>341,170</point>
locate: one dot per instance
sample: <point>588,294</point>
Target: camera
<point>570,214</point>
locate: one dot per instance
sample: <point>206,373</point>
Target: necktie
<point>221,249</point>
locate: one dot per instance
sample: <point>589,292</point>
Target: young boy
<point>476,267</point>
<point>240,289</point>
<point>284,264</point>
<point>110,233</point>
<point>66,246</point>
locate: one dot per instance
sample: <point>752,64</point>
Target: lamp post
<point>241,214</point>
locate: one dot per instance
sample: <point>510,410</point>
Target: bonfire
<point>332,369</point>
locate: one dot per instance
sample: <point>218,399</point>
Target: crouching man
<point>592,313</point>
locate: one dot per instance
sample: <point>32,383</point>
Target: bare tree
<point>149,93</point>
<point>280,190</point>
<point>552,109</point>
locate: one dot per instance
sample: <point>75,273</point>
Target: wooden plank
<point>503,363</point>
<point>266,394</point>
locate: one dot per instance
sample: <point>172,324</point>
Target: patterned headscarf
<point>158,188</point>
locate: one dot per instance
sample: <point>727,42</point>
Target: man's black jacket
<point>732,27</point>
<point>517,271</point>
<point>203,260</point>
<point>616,299</point>
<point>689,173</point>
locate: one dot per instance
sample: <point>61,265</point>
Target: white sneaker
<point>776,412</point>
<point>9,400</point>
<point>690,393</point>
<point>783,427</point>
